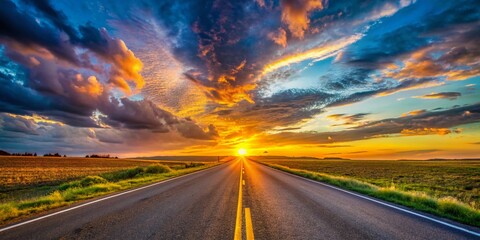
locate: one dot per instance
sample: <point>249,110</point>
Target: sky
<point>324,78</point>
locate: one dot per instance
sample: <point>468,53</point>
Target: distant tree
<point>87,156</point>
<point>64,155</point>
<point>52,155</point>
<point>35,154</point>
<point>3,153</point>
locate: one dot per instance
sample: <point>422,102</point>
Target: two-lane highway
<point>240,199</point>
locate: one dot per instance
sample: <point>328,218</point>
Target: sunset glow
<point>242,152</point>
<point>394,79</point>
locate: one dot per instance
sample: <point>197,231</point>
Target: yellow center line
<point>248,224</point>
<point>238,222</point>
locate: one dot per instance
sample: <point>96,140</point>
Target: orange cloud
<point>90,86</point>
<point>279,37</point>
<point>414,113</point>
<point>224,90</point>
<point>442,95</point>
<point>295,14</point>
<point>126,68</point>
<point>427,131</point>
<point>36,118</point>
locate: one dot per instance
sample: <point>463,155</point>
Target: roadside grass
<point>437,178</point>
<point>447,207</point>
<point>93,186</point>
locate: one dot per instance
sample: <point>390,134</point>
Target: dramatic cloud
<point>295,13</point>
<point>279,37</point>
<point>62,82</point>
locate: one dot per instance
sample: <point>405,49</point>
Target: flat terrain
<point>439,178</point>
<point>203,205</point>
<point>26,177</point>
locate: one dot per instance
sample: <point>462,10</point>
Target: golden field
<point>18,171</point>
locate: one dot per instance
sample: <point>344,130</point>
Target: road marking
<point>248,224</point>
<point>386,204</point>
<point>238,222</point>
<point>102,199</point>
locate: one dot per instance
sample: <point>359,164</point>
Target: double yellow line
<point>248,216</point>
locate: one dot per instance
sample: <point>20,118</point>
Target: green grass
<point>93,186</point>
<point>447,207</point>
<point>446,178</point>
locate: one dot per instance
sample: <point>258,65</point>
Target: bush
<point>124,174</point>
<point>158,169</point>
<point>85,182</point>
<point>90,180</point>
<point>191,165</point>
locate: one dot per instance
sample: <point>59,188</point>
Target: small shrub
<point>122,175</point>
<point>90,180</point>
<point>158,169</point>
<point>85,182</point>
<point>68,185</point>
<point>191,165</point>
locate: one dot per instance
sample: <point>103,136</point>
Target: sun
<point>242,151</point>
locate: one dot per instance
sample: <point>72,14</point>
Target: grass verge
<point>93,186</point>
<point>447,207</point>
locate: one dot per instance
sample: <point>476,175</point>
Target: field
<point>30,185</point>
<point>438,178</point>
<point>26,177</point>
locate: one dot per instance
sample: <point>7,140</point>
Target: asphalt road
<point>205,205</point>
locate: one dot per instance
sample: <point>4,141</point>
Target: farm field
<point>438,178</point>
<point>25,177</point>
<point>34,184</point>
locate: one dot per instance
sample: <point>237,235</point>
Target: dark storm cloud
<point>18,124</point>
<point>23,28</point>
<point>137,115</point>
<point>57,18</point>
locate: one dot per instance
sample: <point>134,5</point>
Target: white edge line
<point>382,203</point>
<point>101,199</point>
